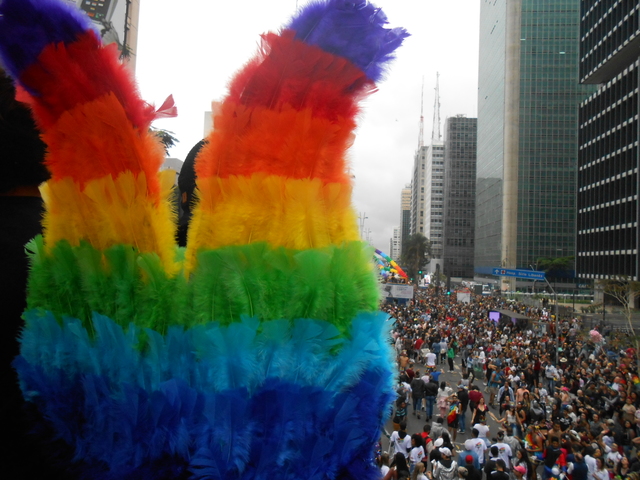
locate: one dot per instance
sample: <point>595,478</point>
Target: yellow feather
<point>110,212</point>
<point>292,213</point>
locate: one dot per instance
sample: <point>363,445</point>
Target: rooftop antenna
<point>421,134</point>
<point>435,132</point>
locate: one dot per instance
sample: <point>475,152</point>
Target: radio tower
<point>435,132</point>
<point>421,134</point>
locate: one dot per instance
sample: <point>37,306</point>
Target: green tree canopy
<point>416,253</point>
<point>166,137</point>
<point>556,267</point>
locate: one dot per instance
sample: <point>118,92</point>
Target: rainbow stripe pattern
<point>257,351</point>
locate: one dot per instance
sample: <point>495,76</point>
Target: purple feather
<point>27,26</point>
<point>350,29</point>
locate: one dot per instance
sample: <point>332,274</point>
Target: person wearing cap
<point>477,445</point>
<point>434,455</point>
<point>446,468</point>
<point>466,457</point>
<point>519,472</point>
<point>473,472</point>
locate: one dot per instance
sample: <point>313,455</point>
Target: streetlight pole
<point>555,296</point>
<point>361,218</point>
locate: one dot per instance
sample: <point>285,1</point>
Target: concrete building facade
<point>609,132</point>
<point>394,244</point>
<point>405,216</point>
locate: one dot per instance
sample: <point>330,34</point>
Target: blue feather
<point>350,29</point>
<point>27,26</point>
<point>241,355</point>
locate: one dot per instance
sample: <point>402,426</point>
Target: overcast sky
<point>191,48</point>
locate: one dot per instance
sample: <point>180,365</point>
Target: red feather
<point>65,76</point>
<point>288,72</point>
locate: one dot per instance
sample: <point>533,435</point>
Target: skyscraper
<point>418,183</point>
<point>528,96</point>
<point>405,216</point>
<point>427,202</point>
<point>609,159</point>
<point>459,195</point>
<point>394,244</point>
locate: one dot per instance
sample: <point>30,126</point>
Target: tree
<point>559,267</point>
<point>416,252</point>
<point>166,137</point>
<point>626,292</point>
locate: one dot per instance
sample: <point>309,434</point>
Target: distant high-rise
<point>609,155</point>
<point>117,22</point>
<point>427,195</point>
<point>418,191</point>
<point>405,217</point>
<point>459,195</point>
<point>528,97</point>
<point>434,200</point>
<point>394,244</point>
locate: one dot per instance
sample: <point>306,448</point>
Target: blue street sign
<point>511,272</point>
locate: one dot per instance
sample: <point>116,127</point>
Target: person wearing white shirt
<point>431,359</point>
<point>590,460</point>
<point>476,445</point>
<point>483,431</point>
<point>504,450</point>
<point>417,451</point>
<point>401,441</point>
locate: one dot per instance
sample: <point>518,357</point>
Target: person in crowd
<point>500,472</point>
<point>399,470</point>
<point>571,414</point>
<point>417,452</point>
<point>383,463</point>
<point>419,472</point>
<point>22,158</point>
<point>418,388</point>
<point>443,399</point>
<point>463,397</point>
<point>446,468</point>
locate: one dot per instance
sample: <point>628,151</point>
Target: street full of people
<point>562,401</point>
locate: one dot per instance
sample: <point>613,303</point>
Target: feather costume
<point>257,352</point>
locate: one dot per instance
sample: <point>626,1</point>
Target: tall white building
<point>434,200</point>
<point>418,185</point>
<point>395,244</point>
<point>427,196</point>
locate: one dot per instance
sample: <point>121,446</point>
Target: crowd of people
<point>566,405</point>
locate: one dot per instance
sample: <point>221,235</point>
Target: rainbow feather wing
<point>258,351</point>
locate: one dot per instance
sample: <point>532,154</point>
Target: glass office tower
<point>528,97</point>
